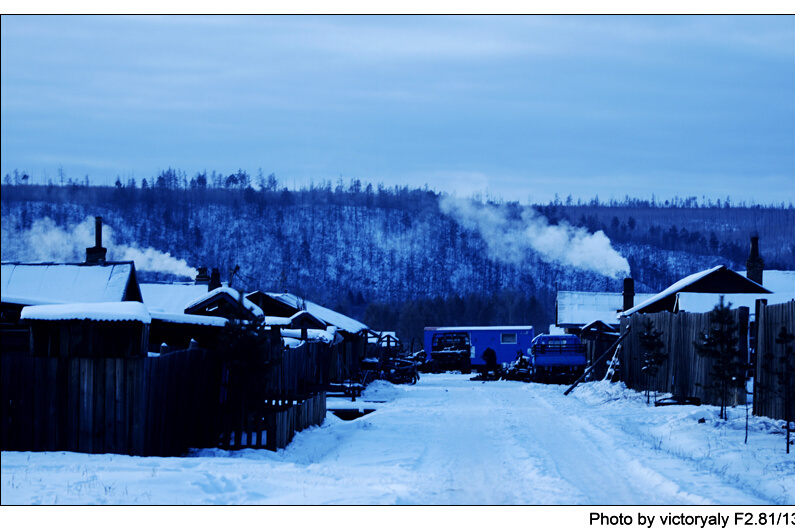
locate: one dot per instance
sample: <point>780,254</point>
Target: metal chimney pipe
<point>98,232</point>
<point>97,253</point>
<point>629,294</point>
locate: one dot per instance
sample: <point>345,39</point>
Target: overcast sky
<point>519,108</point>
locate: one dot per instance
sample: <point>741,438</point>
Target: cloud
<point>510,237</point>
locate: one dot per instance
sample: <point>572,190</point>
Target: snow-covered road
<point>450,440</point>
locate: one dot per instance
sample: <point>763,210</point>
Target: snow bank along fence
<point>291,399</point>
<point>684,373</point>
<point>156,405</point>
<point>769,394</point>
<point>136,406</point>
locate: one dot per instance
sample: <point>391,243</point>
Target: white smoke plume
<point>509,237</point>
<point>45,241</point>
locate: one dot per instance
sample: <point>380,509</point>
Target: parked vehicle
<point>557,358</point>
<point>463,348</point>
<point>519,370</point>
<point>395,369</point>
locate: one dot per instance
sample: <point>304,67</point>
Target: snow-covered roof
<point>482,328</point>
<point>576,308</point>
<point>777,281</point>
<point>303,314</point>
<point>292,343</point>
<point>679,286</point>
<point>100,311</point>
<point>328,316</point>
<point>52,283</point>
<point>375,336</point>
<point>182,318</point>
<point>170,298</point>
<point>314,335</point>
<point>597,324</point>
<point>278,321</point>
<point>236,295</point>
<point>704,302</point>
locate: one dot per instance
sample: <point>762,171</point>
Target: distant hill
<point>395,258</point>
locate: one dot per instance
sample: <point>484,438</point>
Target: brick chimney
<point>629,294</point>
<point>215,280</point>
<point>202,278</point>
<point>754,266</point>
<point>97,253</point>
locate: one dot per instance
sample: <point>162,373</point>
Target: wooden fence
<point>344,362</point>
<point>684,373</point>
<point>270,424</point>
<point>594,348</point>
<point>291,399</point>
<point>137,406</point>
<point>768,392</point>
<point>159,406</point>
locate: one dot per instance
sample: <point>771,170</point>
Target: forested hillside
<point>396,258</point>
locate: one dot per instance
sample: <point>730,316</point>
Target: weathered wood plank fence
<point>157,405</point>
<point>138,406</point>
<point>291,400</point>
<point>684,373</point>
<point>768,393</point>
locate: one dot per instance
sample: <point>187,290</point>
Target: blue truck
<point>557,358</point>
<point>463,348</point>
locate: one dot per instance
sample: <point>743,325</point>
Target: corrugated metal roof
<point>171,298</point>
<point>482,328</point>
<point>577,308</point>
<point>52,283</point>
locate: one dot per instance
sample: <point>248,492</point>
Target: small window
<point>508,338</point>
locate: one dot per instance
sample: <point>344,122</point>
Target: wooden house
<point>346,356</point>
<point>224,302</point>
<point>185,314</point>
<point>95,330</point>
<point>32,284</point>
<point>594,317</point>
<point>717,280</point>
<point>171,328</point>
<point>306,320</point>
<point>681,314</point>
<point>576,309</point>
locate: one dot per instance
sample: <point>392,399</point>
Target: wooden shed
<point>346,356</point>
<point>224,302</point>
<point>95,330</point>
<point>32,284</point>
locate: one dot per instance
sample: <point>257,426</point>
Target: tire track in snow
<point>624,469</point>
<point>467,458</point>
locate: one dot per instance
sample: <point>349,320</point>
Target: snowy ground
<point>449,440</point>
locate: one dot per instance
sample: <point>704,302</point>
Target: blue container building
<point>463,347</point>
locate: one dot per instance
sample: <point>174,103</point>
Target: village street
<point>460,441</point>
<point>450,440</point>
